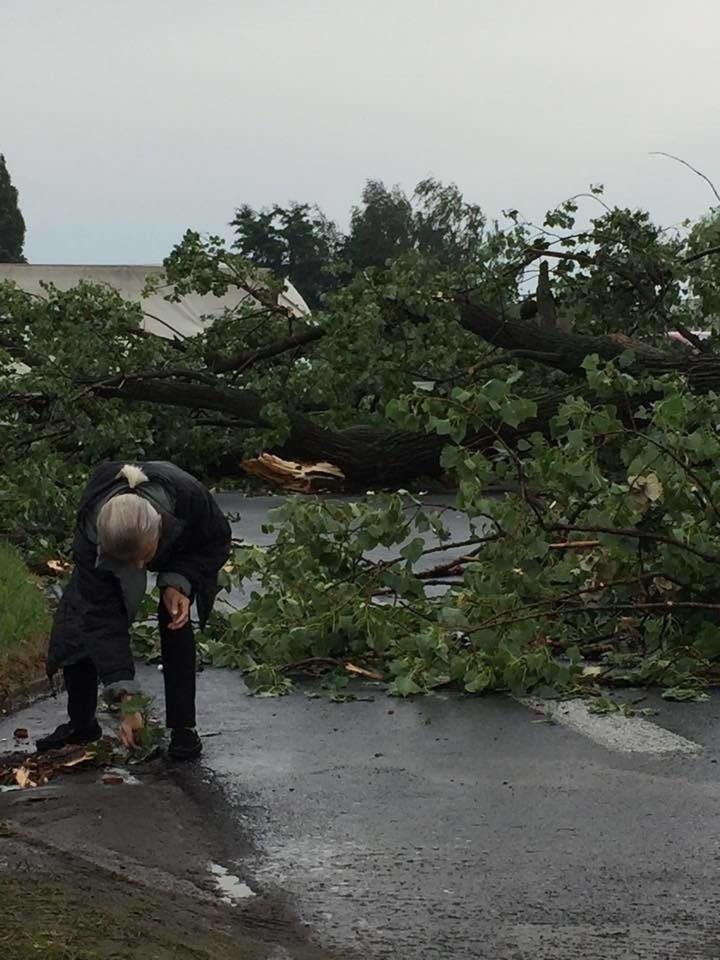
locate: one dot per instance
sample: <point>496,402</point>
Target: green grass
<point>24,614</point>
<point>70,911</point>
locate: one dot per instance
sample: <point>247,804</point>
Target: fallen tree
<point>372,456</point>
<point>379,456</point>
<point>575,399</point>
<point>319,389</point>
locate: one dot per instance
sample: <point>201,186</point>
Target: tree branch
<point>556,348</point>
<point>242,403</point>
<point>638,535</point>
<point>671,156</point>
<point>701,254</point>
<point>688,470</point>
<point>247,358</point>
<point>691,337</point>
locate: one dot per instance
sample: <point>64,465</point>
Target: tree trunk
<point>370,457</point>
<point>566,351</point>
<point>377,457</point>
<point>556,348</point>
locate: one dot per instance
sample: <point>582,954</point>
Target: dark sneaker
<point>66,734</point>
<point>185,744</point>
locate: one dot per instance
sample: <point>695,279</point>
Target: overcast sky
<point>125,123</point>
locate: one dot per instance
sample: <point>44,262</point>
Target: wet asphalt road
<point>451,827</point>
<point>454,827</point>
<point>445,827</point>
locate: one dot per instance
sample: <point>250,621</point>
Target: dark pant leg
<point>178,657</point>
<point>81,683</point>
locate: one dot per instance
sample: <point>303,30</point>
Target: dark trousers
<point>178,657</point>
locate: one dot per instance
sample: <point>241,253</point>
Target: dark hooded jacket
<point>96,610</point>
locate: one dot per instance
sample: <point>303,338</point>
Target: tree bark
<point>243,404</point>
<point>377,457</point>
<point>566,351</point>
<point>562,350</point>
<point>370,457</point>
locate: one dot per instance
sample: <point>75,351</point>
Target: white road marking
<point>614,731</point>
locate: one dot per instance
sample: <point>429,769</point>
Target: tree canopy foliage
<point>430,360</point>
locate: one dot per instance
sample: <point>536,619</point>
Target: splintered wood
<point>293,476</point>
<point>36,769</point>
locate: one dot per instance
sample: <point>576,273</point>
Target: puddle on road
<point>232,888</point>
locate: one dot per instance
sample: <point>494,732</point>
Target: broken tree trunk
<point>559,349</point>
<point>376,457</point>
<point>296,477</point>
<point>545,300</point>
<point>369,457</point>
<point>566,351</point>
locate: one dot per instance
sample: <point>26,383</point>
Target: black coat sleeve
<point>103,617</point>
<point>205,547</point>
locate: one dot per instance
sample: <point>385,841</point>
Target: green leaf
<point>602,705</point>
<point>413,551</point>
<point>685,693</point>
<point>485,639</point>
<point>403,686</point>
<point>452,617</point>
<point>442,427</point>
<point>517,410</point>
<point>475,681</point>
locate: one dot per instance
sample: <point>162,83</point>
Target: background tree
<point>297,241</point>
<point>381,227</point>
<point>12,224</point>
<point>300,242</point>
<point>435,222</point>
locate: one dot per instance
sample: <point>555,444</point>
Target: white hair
<point>134,475</point>
<point>128,525</point>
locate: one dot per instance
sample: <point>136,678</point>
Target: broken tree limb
<point>633,533</point>
<point>293,476</point>
<point>560,349</point>
<point>544,296</point>
<point>246,358</point>
<point>197,396</point>
<point>566,351</point>
<point>575,545</point>
<point>375,457</point>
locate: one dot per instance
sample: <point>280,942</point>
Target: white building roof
<point>162,317</point>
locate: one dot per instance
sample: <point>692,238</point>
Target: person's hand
<point>178,606</point>
<point>130,724</point>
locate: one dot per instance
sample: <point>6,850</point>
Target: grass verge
<point>64,911</point>
<point>24,624</point>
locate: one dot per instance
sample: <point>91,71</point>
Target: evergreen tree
<point>12,224</point>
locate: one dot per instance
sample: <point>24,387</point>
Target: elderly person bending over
<point>133,518</point>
